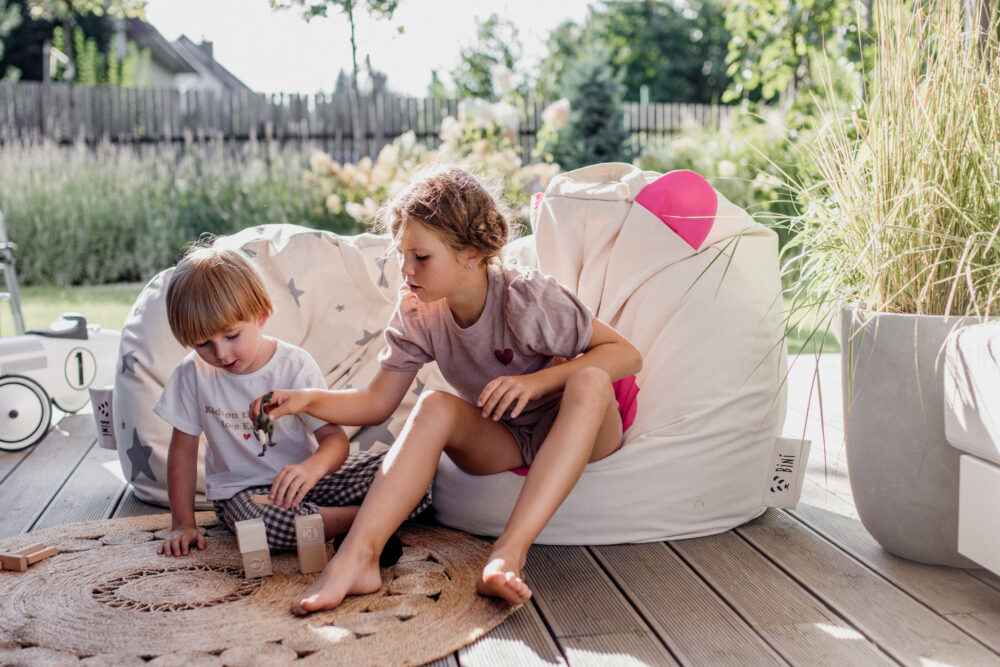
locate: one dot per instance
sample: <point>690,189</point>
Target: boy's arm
<point>294,481</point>
<point>182,475</point>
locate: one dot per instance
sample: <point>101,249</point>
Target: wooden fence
<point>345,125</point>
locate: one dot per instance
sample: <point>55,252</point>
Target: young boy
<point>217,305</point>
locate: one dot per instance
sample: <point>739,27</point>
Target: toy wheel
<point>25,412</point>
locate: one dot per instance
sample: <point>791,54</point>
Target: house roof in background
<point>163,52</point>
<point>204,63</point>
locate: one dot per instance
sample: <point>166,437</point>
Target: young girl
<point>494,332</point>
<point>217,305</point>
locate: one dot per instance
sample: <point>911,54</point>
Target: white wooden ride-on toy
<point>39,368</point>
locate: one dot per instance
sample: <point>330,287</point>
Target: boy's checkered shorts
<point>347,486</point>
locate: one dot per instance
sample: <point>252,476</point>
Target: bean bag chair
<point>703,307</point>
<point>700,297</point>
<point>332,295</point>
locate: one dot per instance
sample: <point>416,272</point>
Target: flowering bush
<point>482,139</point>
<point>355,191</point>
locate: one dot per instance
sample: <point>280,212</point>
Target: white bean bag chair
<point>708,320</point>
<point>332,295</point>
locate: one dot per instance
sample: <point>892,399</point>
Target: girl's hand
<point>282,402</point>
<point>292,484</point>
<point>180,541</point>
<point>508,391</point>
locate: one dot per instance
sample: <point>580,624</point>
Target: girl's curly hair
<point>456,205</point>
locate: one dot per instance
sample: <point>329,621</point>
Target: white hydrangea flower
<point>556,115</point>
<point>451,130</point>
<point>726,169</point>
<point>334,204</point>
<point>503,79</point>
<point>320,162</point>
<point>506,116</point>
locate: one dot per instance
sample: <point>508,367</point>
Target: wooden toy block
<point>20,560</point>
<point>311,542</point>
<point>252,539</point>
<point>261,499</point>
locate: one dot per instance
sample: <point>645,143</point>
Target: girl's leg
<point>439,421</point>
<point>588,428</point>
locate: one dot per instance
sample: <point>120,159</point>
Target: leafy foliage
<point>780,46</point>
<point>486,68</point>
<point>10,18</point>
<point>596,130</point>
<point>57,10</point>
<point>676,51</point>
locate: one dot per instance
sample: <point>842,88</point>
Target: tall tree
<point>40,18</point>
<point>676,50</point>
<point>10,18</point>
<point>596,131</point>
<point>776,45</point>
<point>311,9</point>
<point>497,47</point>
<point>58,9</point>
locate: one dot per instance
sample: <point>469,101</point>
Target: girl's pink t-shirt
<point>528,319</point>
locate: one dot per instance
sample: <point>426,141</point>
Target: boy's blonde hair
<point>210,291</point>
<point>456,205</point>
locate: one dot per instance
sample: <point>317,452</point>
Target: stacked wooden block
<point>310,540</point>
<point>20,560</point>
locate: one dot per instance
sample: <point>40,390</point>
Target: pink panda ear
<point>685,202</point>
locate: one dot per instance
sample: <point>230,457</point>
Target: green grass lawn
<point>108,305</point>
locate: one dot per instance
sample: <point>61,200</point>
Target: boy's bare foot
<point>502,579</point>
<point>344,575</point>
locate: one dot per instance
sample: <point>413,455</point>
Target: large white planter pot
<point>903,473</point>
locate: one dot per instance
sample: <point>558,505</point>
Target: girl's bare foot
<point>502,579</point>
<point>344,575</point>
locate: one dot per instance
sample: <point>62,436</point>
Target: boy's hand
<point>509,391</point>
<point>292,484</point>
<point>279,403</point>
<point>180,540</point>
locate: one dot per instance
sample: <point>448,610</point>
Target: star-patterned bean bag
<point>332,295</point>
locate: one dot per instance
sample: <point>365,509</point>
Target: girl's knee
<point>589,383</point>
<point>439,407</point>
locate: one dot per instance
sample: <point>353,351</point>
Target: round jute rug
<point>108,598</point>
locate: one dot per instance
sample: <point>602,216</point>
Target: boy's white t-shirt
<point>201,398</point>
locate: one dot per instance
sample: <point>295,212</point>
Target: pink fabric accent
<point>685,202</point>
<point>626,393</point>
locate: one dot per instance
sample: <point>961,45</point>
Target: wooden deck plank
<point>130,505</point>
<point>789,618</point>
<point>658,583</point>
<point>522,639</point>
<point>986,577</point>
<point>903,627</point>
<point>10,460</point>
<point>30,486</point>
<point>589,617</point>
<point>967,602</point>
<point>92,491</point>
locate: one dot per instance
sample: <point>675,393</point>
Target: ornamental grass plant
<point>905,214</point>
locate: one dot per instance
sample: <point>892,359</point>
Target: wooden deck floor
<point>801,587</point>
